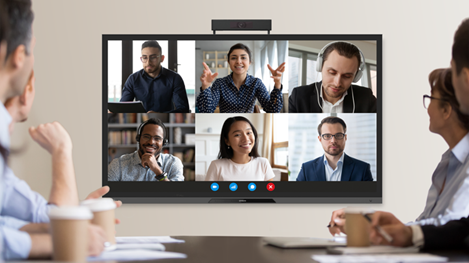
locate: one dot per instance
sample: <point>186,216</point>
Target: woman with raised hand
<point>237,92</point>
<point>238,159</point>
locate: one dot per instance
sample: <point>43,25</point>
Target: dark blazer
<point>352,170</point>
<point>304,99</point>
<point>452,235</point>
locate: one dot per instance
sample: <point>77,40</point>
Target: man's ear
<point>18,56</point>
<point>28,93</point>
<point>162,58</point>
<point>3,53</point>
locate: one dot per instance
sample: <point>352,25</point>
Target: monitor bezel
<point>278,196</point>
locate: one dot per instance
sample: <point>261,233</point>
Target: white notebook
<point>303,242</point>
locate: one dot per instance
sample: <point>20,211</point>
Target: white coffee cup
<point>104,216</point>
<point>69,229</point>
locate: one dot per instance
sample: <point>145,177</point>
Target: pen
<point>380,230</point>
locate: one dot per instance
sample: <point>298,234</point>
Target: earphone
<point>357,77</point>
<point>161,124</point>
<point>361,67</point>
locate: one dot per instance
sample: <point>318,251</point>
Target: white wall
<point>417,38</point>
<point>368,48</point>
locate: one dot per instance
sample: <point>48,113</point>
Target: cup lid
<point>70,212</point>
<point>99,204</point>
<point>359,210</point>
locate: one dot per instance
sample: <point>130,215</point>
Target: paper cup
<point>69,229</point>
<point>357,227</point>
<point>104,216</point>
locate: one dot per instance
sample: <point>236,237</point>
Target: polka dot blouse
<point>224,93</point>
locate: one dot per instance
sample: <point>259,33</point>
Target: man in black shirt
<point>160,89</point>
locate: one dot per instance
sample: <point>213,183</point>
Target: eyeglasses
<point>427,99</point>
<point>147,137</point>
<point>328,136</point>
<point>152,58</point>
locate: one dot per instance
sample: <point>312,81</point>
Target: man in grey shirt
<point>147,163</point>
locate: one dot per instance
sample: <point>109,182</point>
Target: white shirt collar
<point>461,150</point>
<point>328,107</point>
<point>5,120</point>
<point>341,160</point>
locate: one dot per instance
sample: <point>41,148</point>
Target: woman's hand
<point>277,74</point>
<point>207,77</point>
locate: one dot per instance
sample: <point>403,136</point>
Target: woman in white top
<point>238,159</point>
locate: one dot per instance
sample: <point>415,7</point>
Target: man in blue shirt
<point>334,165</point>
<point>160,89</point>
<point>147,163</point>
<point>23,213</point>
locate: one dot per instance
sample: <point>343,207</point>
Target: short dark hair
<point>239,46</point>
<point>345,49</point>
<point>440,80</point>
<point>228,153</point>
<point>152,43</point>
<point>20,17</point>
<point>3,21</point>
<point>332,120</point>
<point>460,52</point>
<point>153,121</point>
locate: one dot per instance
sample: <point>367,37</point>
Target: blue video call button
<point>214,187</point>
<point>252,187</point>
<point>233,187</point>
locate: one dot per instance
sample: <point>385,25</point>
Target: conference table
<point>223,249</point>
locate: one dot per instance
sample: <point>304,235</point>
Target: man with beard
<point>335,165</point>
<point>340,64</point>
<point>147,163</point>
<point>160,89</point>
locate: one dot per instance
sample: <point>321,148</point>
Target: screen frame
<point>283,195</point>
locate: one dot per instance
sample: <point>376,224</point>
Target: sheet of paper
<point>150,246</point>
<point>135,254</point>
<point>147,239</point>
<point>396,258</point>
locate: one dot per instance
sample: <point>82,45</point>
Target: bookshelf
<point>217,62</point>
<point>122,132</point>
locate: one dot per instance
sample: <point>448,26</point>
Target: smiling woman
<point>237,92</point>
<point>238,159</point>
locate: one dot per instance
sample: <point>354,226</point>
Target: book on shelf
<point>189,174</point>
<point>183,118</point>
<point>123,137</point>
<point>122,118</point>
<point>189,155</point>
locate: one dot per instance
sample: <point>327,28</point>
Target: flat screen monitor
<point>251,118</point>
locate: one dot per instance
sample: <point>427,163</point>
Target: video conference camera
<point>236,25</point>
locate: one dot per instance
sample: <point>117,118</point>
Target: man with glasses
<point>159,89</point>
<point>334,165</point>
<point>147,163</point>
